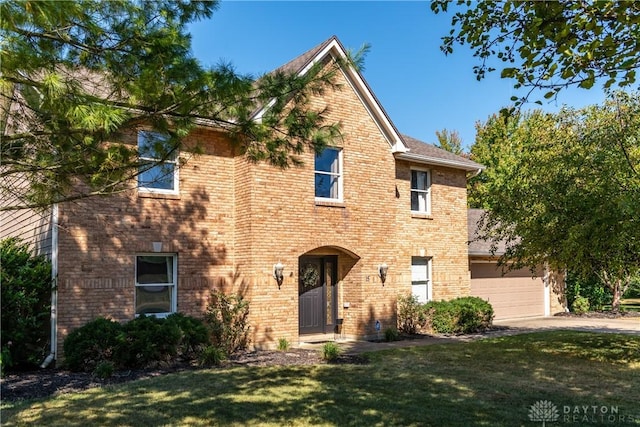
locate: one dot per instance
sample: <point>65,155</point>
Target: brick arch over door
<point>323,273</point>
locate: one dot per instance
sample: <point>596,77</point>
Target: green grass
<point>492,382</point>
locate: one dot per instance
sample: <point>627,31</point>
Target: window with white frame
<point>328,174</point>
<point>421,278</point>
<point>158,170</point>
<point>420,191</point>
<point>156,284</point>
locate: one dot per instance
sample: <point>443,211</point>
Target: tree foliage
<point>564,189</point>
<point>26,305</point>
<point>449,141</point>
<point>74,74</point>
<point>549,45</point>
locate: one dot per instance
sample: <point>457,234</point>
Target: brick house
<point>377,199</point>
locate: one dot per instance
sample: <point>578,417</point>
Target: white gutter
<point>54,289</point>
<point>421,158</point>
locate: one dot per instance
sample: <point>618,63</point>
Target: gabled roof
<point>402,146</point>
<point>422,152</point>
<point>333,48</point>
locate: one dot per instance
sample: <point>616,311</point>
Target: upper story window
<point>156,279</point>
<point>420,191</point>
<point>159,171</point>
<point>328,174</point>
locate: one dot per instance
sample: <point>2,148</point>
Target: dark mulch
<point>47,382</point>
<point>601,314</point>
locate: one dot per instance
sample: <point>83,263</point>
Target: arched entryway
<point>319,274</point>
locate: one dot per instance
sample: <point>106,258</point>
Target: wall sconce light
<point>382,272</point>
<point>278,273</point>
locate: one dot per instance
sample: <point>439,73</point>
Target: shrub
<point>147,340</point>
<point>212,355</point>
<point>330,351</point>
<point>193,334</point>
<point>91,344</point>
<point>26,305</point>
<point>390,334</point>
<point>411,315</point>
<point>443,316</point>
<point>142,342</point>
<point>283,344</point>
<point>104,370</point>
<point>597,294</point>
<point>580,305</point>
<point>461,315</point>
<point>634,288</point>
<point>474,314</point>
<point>227,319</point>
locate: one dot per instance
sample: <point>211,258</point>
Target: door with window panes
<point>317,294</point>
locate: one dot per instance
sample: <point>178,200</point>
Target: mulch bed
<point>47,382</point>
<point>601,314</point>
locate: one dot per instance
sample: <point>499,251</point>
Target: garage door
<point>515,294</point>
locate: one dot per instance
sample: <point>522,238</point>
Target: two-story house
<point>378,215</point>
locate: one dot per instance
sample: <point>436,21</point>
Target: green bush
<point>194,334</point>
<point>390,334</point>
<point>142,342</point>
<point>25,282</point>
<point>330,352</point>
<point>459,316</point>
<point>411,314</point>
<point>92,344</point>
<point>634,288</point>
<point>227,319</point>
<point>443,316</point>
<point>147,340</point>
<point>212,356</point>
<point>283,344</point>
<point>474,314</point>
<point>591,288</point>
<point>580,305</point>
<point>104,370</point>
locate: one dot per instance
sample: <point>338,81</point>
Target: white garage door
<point>515,294</point>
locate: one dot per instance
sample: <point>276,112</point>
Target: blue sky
<point>421,89</point>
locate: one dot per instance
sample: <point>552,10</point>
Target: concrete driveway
<point>626,325</point>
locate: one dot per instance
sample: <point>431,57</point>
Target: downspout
<point>54,288</point>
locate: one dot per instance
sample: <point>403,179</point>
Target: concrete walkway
<point>628,325</point>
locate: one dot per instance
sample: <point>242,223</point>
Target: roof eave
<point>428,160</point>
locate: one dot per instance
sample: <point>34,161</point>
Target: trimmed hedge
<point>141,342</point>
<point>459,316</point>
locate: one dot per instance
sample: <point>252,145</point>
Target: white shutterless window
<point>156,284</point>
<point>420,191</point>
<point>328,175</point>
<point>157,175</point>
<point>421,278</point>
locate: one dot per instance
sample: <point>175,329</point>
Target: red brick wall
<point>233,220</point>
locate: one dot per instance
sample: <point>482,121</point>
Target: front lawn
<point>588,378</point>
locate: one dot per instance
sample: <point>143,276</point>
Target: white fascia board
<point>362,90</point>
<point>371,104</point>
<point>427,160</point>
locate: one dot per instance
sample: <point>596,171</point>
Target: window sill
<point>421,215</point>
<point>330,204</point>
<point>153,195</point>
